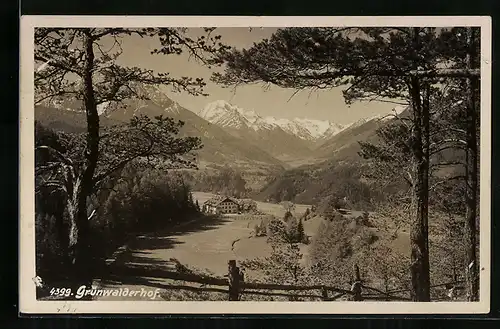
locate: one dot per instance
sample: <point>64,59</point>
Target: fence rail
<point>236,285</point>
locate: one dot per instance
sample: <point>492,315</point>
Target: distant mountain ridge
<point>335,161</point>
<point>219,147</point>
<point>230,135</point>
<point>259,131</point>
<point>228,115</point>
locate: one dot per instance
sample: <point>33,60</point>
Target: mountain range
<point>230,135</point>
<point>230,116</point>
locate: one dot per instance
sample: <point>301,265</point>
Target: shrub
<point>283,266</point>
<point>364,239</point>
<point>260,229</point>
<point>275,230</point>
<point>248,205</point>
<point>338,245</point>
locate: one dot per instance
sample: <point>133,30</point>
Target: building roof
<point>215,201</point>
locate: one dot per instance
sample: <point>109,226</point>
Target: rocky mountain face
<point>285,139</point>
<point>230,116</point>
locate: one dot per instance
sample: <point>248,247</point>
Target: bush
<point>364,239</point>
<point>260,229</point>
<point>283,266</point>
<point>275,230</point>
<point>337,246</point>
<point>248,205</point>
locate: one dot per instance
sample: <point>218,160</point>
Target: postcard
<point>255,165</point>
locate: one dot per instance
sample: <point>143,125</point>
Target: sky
<point>273,101</point>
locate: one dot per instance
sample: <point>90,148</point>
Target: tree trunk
<point>83,185</point>
<point>420,276</point>
<point>471,171</point>
<point>419,214</point>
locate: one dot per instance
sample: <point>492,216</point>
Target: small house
<point>221,205</point>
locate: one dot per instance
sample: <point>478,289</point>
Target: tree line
<point>226,181</point>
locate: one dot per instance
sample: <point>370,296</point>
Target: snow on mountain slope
<point>224,114</point>
<point>227,115</point>
<point>314,129</point>
<point>378,117</point>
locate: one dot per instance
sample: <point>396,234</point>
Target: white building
<point>221,205</point>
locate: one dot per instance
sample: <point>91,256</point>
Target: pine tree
<point>385,63</point>
<point>307,213</point>
<point>300,232</point>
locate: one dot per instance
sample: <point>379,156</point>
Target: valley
<point>307,162</point>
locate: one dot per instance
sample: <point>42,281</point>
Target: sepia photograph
<point>278,164</point>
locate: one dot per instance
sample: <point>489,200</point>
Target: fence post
<point>356,286</point>
<point>235,278</point>
<point>324,294</point>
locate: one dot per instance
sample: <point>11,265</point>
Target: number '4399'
<point>61,292</point>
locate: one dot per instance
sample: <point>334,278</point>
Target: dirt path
<point>206,246</point>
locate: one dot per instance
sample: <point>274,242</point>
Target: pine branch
<point>458,177</point>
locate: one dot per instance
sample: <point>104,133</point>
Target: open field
<point>209,246</point>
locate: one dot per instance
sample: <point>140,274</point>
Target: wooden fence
<point>234,285</point>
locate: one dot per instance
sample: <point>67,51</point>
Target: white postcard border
<point>27,300</point>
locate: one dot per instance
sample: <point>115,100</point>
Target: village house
<point>221,205</point>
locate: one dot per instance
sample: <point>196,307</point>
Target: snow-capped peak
<point>227,115</point>
<point>224,114</point>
